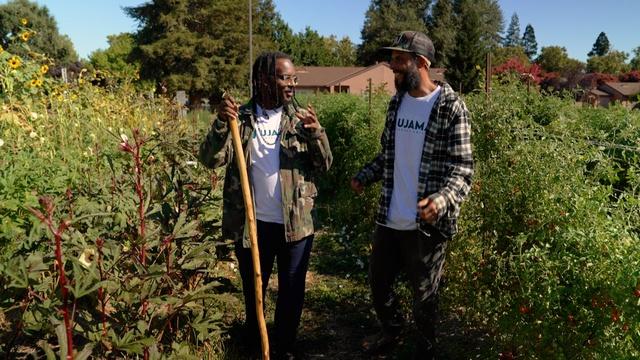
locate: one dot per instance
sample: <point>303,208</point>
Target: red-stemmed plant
<point>101,295</point>
<point>135,150</point>
<point>57,231</point>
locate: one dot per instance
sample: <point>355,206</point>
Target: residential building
<point>625,93</point>
<point>352,80</point>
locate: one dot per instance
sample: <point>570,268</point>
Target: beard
<point>410,80</point>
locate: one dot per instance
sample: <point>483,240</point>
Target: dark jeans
<point>422,258</point>
<point>293,262</point>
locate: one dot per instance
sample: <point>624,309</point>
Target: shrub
<point>107,225</point>
<point>547,260</point>
<point>548,250</point>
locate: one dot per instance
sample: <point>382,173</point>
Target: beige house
<point>597,97</point>
<point>352,80</point>
<point>625,93</point>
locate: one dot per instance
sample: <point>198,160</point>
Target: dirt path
<point>338,315</point>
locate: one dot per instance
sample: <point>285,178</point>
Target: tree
<point>195,45</point>
<point>36,19</point>
<point>478,25</point>
<point>421,7</point>
<point>635,62</point>
<point>491,23</point>
<point>512,38</point>
<point>269,20</point>
<point>529,42</point>
<point>442,31</point>
<point>115,59</point>
<point>501,55</point>
<point>611,63</point>
<point>470,50</point>
<point>556,59</point>
<point>601,46</point>
<point>311,49</point>
<point>384,20</point>
<point>344,51</point>
<point>282,35</point>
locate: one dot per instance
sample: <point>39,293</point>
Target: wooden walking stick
<point>253,233</point>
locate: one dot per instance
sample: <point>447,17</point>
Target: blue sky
<point>574,24</point>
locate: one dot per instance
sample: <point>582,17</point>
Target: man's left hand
<point>428,210</point>
<point>309,118</point>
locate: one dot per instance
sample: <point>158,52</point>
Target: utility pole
<point>370,95</point>
<point>487,80</point>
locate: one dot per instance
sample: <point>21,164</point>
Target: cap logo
<point>404,41</point>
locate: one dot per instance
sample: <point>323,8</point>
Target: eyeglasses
<point>288,79</point>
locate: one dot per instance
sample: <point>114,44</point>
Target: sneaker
<point>379,343</point>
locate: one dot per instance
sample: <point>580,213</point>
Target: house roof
<point>325,76</point>
<point>598,92</point>
<point>625,88</point>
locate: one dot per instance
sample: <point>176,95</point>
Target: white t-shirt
<point>411,123</point>
<point>265,165</point>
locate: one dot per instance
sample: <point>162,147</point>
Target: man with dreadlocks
<point>285,148</point>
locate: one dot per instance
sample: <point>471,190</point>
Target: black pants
<point>422,257</point>
<point>293,262</point>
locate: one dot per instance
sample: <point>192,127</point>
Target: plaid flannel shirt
<point>446,167</point>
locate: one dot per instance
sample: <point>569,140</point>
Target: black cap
<point>414,42</point>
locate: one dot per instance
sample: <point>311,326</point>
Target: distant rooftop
<point>333,75</point>
<point>625,88</point>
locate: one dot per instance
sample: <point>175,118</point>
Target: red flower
<point>615,316</point>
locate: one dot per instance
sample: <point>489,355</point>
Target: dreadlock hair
<point>265,68</point>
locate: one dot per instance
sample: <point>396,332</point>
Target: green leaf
<point>85,353</point>
<point>62,340</point>
<point>47,350</point>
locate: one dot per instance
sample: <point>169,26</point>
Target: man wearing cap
<point>426,166</point>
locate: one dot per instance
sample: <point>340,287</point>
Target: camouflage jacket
<point>303,154</point>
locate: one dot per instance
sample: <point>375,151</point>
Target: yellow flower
<point>1,49</point>
<point>25,36</point>
<point>44,69</point>
<point>24,21</point>
<point>14,62</point>
<point>32,82</point>
<point>38,82</point>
